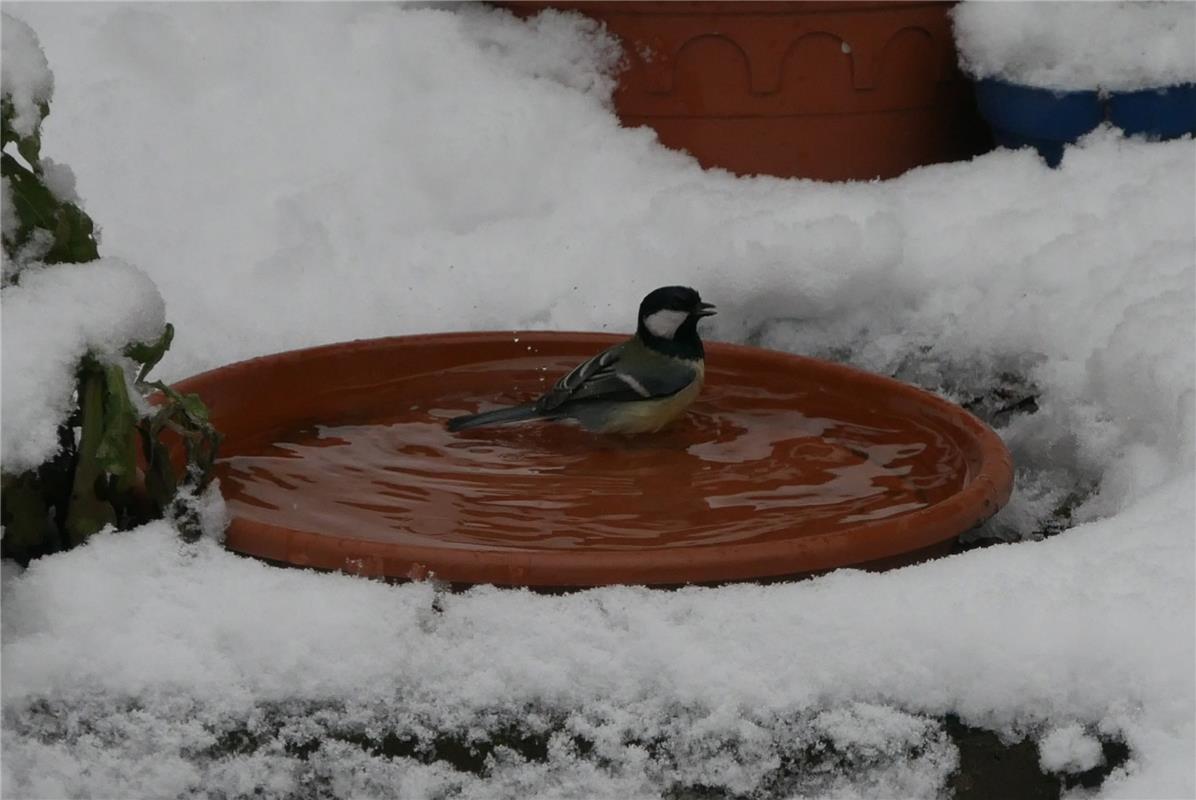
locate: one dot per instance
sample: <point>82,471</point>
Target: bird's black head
<point>668,321</point>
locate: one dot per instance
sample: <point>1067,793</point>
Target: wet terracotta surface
<point>338,457</point>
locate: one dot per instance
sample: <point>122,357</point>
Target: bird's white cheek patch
<point>664,323</point>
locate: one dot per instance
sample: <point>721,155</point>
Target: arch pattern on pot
<point>831,90</point>
<point>777,52</point>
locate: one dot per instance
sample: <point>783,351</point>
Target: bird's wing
<point>627,371</point>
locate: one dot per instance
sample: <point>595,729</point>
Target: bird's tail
<point>498,416</point>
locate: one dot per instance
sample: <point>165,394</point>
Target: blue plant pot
<point>1164,113</point>
<point>1044,119</point>
<point>1048,120</point>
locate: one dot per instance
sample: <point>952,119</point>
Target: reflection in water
<point>744,465</point>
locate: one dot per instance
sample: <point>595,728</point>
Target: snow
<point>49,321</point>
<point>1079,46</point>
<point>293,175</point>
<point>60,180</point>
<point>1069,749</point>
<point>25,77</point>
<point>720,674</point>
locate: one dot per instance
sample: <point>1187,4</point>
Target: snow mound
<point>698,687</point>
<point>54,317</point>
<point>1069,749</point>
<point>297,175</point>
<point>1075,46</point>
<point>1077,284</point>
<point>25,78</point>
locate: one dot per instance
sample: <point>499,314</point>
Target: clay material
<point>826,90</point>
<point>337,458</point>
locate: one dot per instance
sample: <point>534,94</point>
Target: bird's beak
<point>705,310</point>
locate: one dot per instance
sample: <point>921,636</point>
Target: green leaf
<point>28,146</point>
<point>25,517</point>
<point>74,240</point>
<point>92,482</point>
<point>116,451</point>
<point>32,201</point>
<point>193,406</point>
<point>36,207</point>
<point>148,354</point>
<point>7,134</point>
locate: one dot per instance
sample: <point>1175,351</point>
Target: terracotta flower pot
<point>827,90</point>
<point>337,457</point>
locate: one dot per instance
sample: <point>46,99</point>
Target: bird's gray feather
<point>627,371</point>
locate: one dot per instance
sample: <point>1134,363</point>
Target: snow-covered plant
<point>93,477</point>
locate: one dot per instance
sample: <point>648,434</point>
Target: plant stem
<point>88,513</point>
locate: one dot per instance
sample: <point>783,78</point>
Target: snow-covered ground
<point>297,174</point>
<point>1115,46</point>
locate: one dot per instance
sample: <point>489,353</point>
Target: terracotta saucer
<point>337,458</point>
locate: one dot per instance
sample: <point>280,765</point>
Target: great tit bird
<point>637,386</point>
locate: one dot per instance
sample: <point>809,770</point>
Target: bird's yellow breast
<point>649,416</point>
